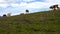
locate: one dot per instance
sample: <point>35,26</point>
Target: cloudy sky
<point>19,6</point>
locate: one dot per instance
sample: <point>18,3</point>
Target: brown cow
<point>54,7</point>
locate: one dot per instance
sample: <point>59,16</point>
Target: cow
<point>54,7</point>
<point>4,15</point>
<point>8,14</point>
<point>27,11</point>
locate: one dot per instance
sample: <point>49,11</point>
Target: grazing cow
<point>54,7</point>
<point>27,11</point>
<point>4,15</point>
<point>9,14</point>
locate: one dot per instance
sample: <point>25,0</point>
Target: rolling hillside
<point>46,22</point>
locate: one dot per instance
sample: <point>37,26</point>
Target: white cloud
<point>15,1</point>
<point>23,4</point>
<point>34,5</point>
<point>2,1</point>
<point>15,5</point>
<point>37,5</point>
<point>10,1</point>
<point>4,5</point>
<point>52,1</point>
<point>28,0</point>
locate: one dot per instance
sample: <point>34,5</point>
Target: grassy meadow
<point>45,22</point>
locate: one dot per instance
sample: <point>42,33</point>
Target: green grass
<point>46,22</point>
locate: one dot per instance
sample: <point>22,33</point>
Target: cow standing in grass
<point>4,15</point>
<point>9,14</point>
<point>27,11</point>
<point>54,7</point>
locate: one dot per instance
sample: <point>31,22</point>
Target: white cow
<point>9,14</point>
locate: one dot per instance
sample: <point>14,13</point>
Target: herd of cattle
<point>54,7</point>
<point>9,14</point>
<point>6,15</point>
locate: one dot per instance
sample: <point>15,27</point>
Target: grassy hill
<point>46,22</point>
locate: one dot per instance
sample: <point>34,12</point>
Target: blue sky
<point>19,6</point>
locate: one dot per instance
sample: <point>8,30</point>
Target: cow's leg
<point>54,8</point>
<point>57,7</point>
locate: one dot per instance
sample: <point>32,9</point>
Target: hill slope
<point>47,22</point>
